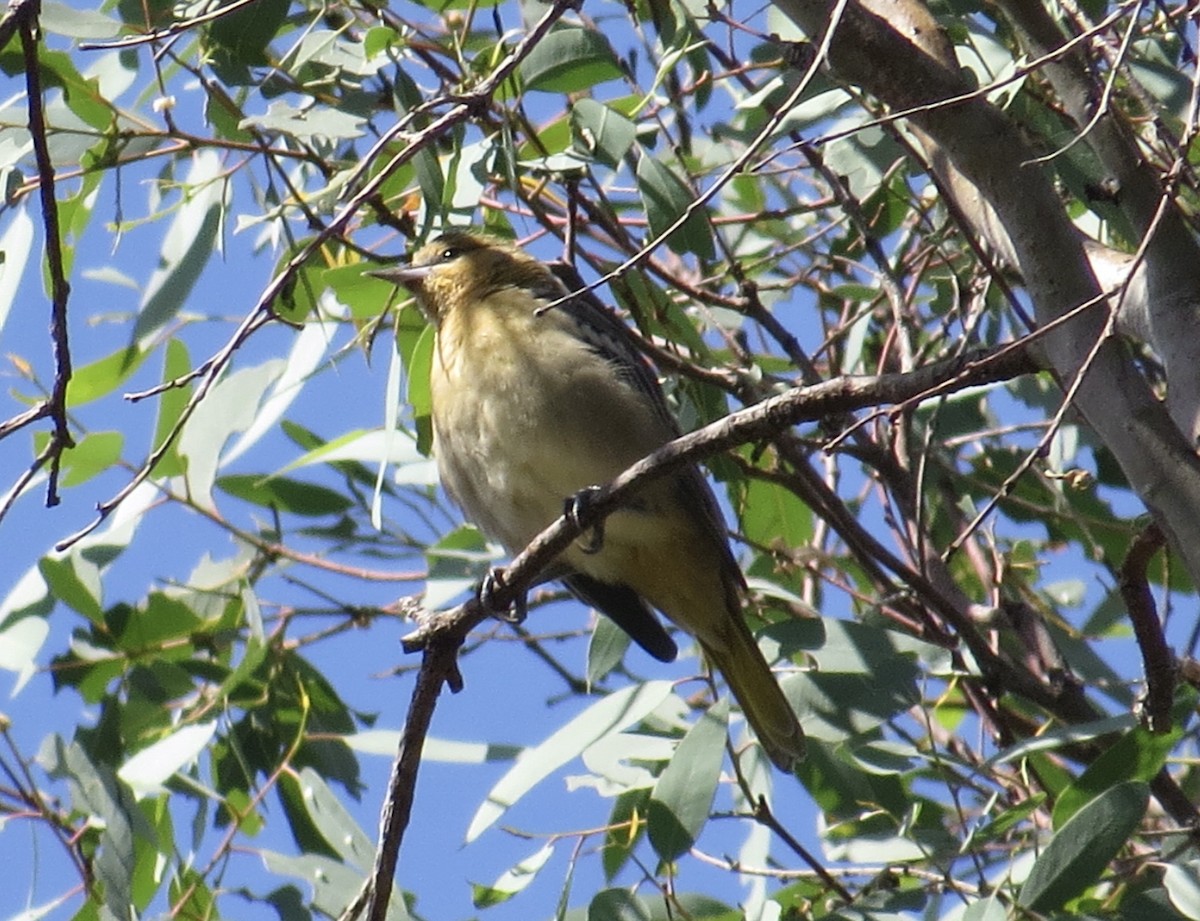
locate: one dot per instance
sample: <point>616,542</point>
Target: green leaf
<point>606,649</point>
<point>618,905</point>
<point>1137,755</point>
<point>190,895</point>
<point>665,198</point>
<point>683,795</point>
<point>626,826</point>
<point>512,880</point>
<point>161,619</point>
<point>75,582</point>
<point>419,365</point>
<point>1008,819</point>
<point>602,131</point>
<point>95,454</point>
<point>454,564</point>
<point>366,296</point>
<point>171,402</point>
<point>775,517</point>
<point>285,494</point>
<point>1078,853</point>
<point>298,298</point>
<point>610,715</point>
<point>238,40</point>
<point>95,792</point>
<point>570,60</point>
<point>838,707</point>
<point>82,95</point>
<point>335,824</point>
<point>101,377</point>
<point>852,648</point>
<point>843,790</point>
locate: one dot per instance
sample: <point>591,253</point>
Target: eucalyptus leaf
<point>1079,852</point>
<point>569,60</point>
<point>683,796</point>
<point>609,715</point>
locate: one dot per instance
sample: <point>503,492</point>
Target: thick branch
<point>902,60</point>
<point>756,423</point>
<point>1163,304</point>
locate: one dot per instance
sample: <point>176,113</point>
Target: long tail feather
<point>754,686</point>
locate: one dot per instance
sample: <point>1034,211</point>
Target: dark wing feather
<point>625,608</point>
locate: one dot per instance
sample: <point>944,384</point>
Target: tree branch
<point>762,421</point>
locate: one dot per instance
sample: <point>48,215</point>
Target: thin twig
<point>60,439</point>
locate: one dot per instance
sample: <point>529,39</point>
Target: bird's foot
<point>515,612</point>
<point>576,509</point>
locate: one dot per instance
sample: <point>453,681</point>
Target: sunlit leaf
<point>15,243</point>
<point>230,407</point>
<point>609,715</point>
<point>187,245</point>
<point>1182,882</point>
<point>568,60</point>
<point>151,767</point>
<point>512,881</point>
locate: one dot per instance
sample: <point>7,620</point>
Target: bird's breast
<point>525,415</point>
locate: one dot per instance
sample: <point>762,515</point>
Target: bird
<point>538,394</point>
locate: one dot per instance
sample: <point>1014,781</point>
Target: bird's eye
<point>449,253</point>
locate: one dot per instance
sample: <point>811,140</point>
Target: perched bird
<point>530,407</point>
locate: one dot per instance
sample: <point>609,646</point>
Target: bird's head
<point>458,269</point>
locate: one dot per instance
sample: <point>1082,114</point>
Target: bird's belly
<point>513,451</point>
<point>490,465</point>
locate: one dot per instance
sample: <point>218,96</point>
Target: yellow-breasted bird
<point>531,407</point>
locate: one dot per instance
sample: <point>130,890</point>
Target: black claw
<point>576,509</point>
<point>515,613</point>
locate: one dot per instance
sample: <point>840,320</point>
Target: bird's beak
<point>410,276</point>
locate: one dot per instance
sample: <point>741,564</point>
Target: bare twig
<point>22,17</point>
<point>1157,661</point>
<point>439,666</point>
<point>170,31</point>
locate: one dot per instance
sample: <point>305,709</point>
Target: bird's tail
<point>739,659</point>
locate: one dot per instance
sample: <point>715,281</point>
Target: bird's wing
<point>627,610</point>
<point>612,339</point>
